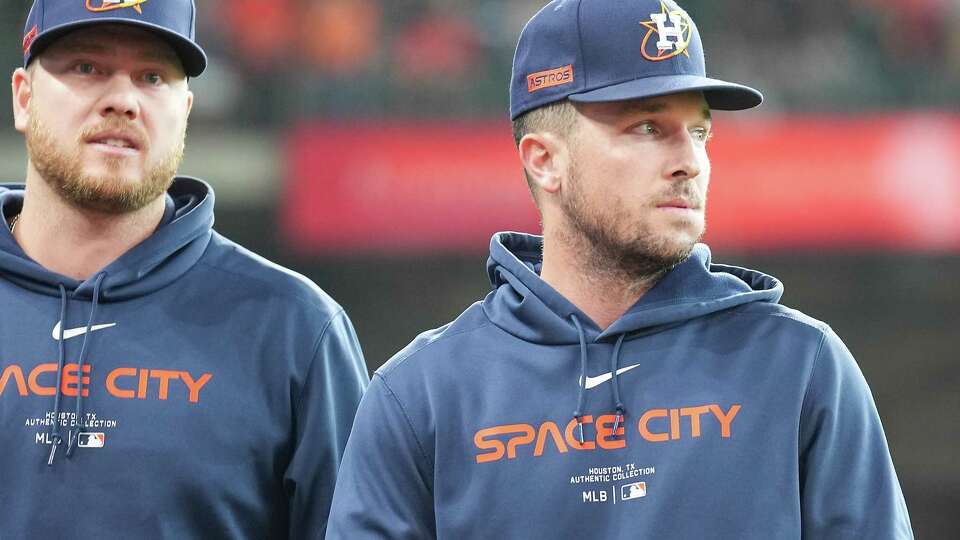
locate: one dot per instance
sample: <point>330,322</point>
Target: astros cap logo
<point>110,5</point>
<point>674,33</point>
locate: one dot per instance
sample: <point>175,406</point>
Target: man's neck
<point>602,292</point>
<point>74,242</point>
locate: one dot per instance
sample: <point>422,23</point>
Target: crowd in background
<point>277,61</point>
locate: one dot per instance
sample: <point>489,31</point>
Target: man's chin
<point>683,243</point>
<point>655,254</point>
<point>114,174</point>
<point>111,194</point>
<point>682,235</point>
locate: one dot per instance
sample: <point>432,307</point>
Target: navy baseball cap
<point>613,50</point>
<point>173,20</point>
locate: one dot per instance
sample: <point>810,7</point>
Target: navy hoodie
<point>706,411</point>
<point>198,390</point>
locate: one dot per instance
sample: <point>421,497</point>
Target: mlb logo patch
<point>91,440</point>
<point>633,491</point>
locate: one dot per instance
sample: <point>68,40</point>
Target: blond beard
<point>62,169</point>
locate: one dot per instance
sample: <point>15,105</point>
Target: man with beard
<point>158,380</point>
<point>616,383</point>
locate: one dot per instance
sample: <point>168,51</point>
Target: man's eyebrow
<point>69,46</point>
<point>645,107</point>
<point>656,107</point>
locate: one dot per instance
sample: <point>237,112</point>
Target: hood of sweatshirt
<point>527,307</point>
<point>530,309</point>
<point>172,250</point>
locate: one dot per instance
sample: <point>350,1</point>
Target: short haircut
<point>559,118</point>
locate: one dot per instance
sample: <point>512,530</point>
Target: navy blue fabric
<point>174,20</point>
<point>742,419</point>
<point>216,401</point>
<point>603,43</point>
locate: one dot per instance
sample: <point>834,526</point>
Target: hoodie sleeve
<point>848,487</point>
<point>323,418</point>
<point>385,485</point>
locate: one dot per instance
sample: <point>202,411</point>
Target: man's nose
<point>685,158</point>
<point>120,98</point>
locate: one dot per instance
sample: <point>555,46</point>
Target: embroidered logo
<point>70,333</point>
<point>28,39</point>
<point>121,383</point>
<point>593,382</point>
<point>635,490</point>
<point>605,432</point>
<point>110,5</point>
<point>549,78</point>
<point>674,31</point>
<point>91,440</point>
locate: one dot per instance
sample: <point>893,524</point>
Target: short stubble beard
<point>639,260</point>
<point>62,169</point>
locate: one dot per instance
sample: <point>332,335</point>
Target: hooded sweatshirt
<point>189,389</point>
<point>706,411</point>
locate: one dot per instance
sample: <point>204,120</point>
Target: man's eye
<point>85,68</point>
<point>647,128</point>
<point>153,78</point>
<point>702,134</point>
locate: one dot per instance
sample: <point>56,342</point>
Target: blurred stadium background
<point>366,144</point>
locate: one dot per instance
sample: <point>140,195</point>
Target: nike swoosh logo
<point>593,382</point>
<point>74,332</point>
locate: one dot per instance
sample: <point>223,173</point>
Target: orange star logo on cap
<point>674,30</point>
<point>110,5</point>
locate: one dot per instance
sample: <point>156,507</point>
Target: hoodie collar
<point>176,245</point>
<point>526,306</point>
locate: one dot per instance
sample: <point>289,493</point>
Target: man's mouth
<point>116,142</point>
<point>115,136</point>
<point>119,143</point>
<point>678,203</point>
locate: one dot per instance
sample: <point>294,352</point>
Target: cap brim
<point>720,95</point>
<point>192,57</point>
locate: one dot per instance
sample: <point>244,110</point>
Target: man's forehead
<point>107,38</point>
<point>662,104</point>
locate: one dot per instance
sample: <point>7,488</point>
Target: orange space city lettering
<point>655,425</point>
<point>122,382</point>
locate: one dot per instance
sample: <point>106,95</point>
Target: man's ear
<point>545,158</point>
<point>189,102</point>
<point>22,90</point>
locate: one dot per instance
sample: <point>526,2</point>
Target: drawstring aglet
<point>53,451</point>
<point>618,419</point>
<point>580,426</point>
